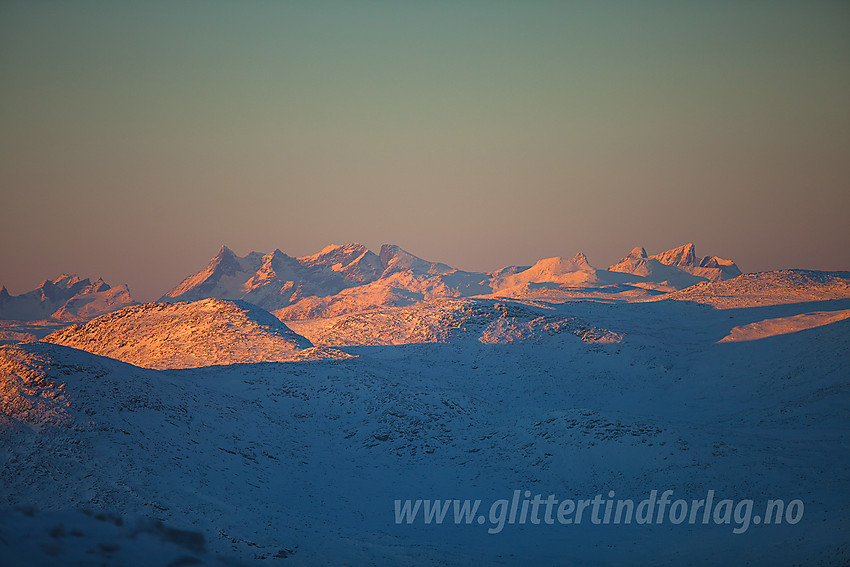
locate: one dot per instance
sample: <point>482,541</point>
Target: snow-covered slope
<point>67,298</point>
<point>405,280</point>
<point>450,320</point>
<point>188,335</point>
<point>574,272</point>
<point>300,463</point>
<point>769,288</point>
<point>783,325</point>
<point>393,290</point>
<point>354,262</point>
<point>394,260</point>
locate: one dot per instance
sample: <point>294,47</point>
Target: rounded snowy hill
<point>190,335</point>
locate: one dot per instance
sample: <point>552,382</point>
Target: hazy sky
<point>138,137</point>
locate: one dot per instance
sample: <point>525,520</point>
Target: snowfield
<point>210,432</point>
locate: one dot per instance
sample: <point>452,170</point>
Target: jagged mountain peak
<point>66,298</point>
<point>276,280</point>
<point>391,251</point>
<point>684,255</point>
<point>637,253</point>
<point>337,255</point>
<point>226,261</point>
<point>277,254</point>
<point>580,259</point>
<point>99,285</point>
<point>678,267</point>
<point>336,249</point>
<point>66,280</point>
<point>395,259</point>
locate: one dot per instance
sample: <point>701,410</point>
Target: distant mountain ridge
<point>67,298</point>
<point>350,278</point>
<point>676,265</point>
<point>275,280</point>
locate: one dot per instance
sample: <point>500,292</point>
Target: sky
<point>138,137</point>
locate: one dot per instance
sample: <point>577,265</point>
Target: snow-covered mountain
<point>563,278</point>
<point>339,279</point>
<point>188,335</point>
<point>275,280</point>
<point>67,298</point>
<point>678,267</point>
<point>350,279</point>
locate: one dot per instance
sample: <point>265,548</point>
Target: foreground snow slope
<point>304,460</point>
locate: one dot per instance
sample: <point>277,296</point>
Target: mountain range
<point>67,299</point>
<point>350,278</point>
<point>203,429</point>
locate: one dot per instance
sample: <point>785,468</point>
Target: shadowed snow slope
<point>305,460</point>
<point>67,298</point>
<point>187,335</point>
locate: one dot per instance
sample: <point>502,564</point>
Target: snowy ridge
<point>67,299</point>
<point>450,320</point>
<point>784,325</point>
<point>393,290</point>
<point>354,261</point>
<point>188,335</point>
<point>768,288</point>
<point>275,280</point>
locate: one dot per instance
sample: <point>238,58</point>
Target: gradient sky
<point>138,137</point>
